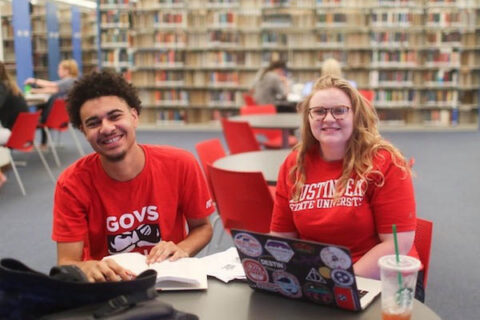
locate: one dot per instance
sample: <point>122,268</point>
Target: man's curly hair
<point>96,85</point>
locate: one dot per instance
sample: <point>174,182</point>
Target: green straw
<point>397,258</point>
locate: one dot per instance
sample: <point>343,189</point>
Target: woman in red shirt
<point>344,184</point>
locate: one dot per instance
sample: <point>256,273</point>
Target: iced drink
<point>398,286</point>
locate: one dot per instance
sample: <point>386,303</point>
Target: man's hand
<point>164,250</point>
<point>106,270</point>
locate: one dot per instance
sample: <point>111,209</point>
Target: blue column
<point>77,38</point>
<point>22,40</point>
<point>53,41</point>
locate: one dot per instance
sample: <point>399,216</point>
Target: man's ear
<point>134,114</point>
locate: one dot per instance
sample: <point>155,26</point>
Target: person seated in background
<point>125,197</point>
<point>330,67</point>
<point>344,184</point>
<point>68,73</point>
<point>272,85</point>
<point>12,103</point>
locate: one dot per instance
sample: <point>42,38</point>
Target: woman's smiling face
<point>331,133</point>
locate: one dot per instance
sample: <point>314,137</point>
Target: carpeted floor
<point>447,188</point>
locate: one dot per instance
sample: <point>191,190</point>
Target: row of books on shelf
<point>272,40</point>
<point>386,116</point>
<point>114,16</point>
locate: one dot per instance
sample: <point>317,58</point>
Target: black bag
<point>27,294</point>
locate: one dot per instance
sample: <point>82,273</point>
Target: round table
<point>36,98</point>
<point>283,121</point>
<point>236,300</point>
<point>267,162</point>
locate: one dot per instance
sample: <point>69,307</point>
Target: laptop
<point>304,270</point>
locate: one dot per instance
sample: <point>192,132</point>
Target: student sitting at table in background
<point>272,85</point>
<point>126,196</point>
<point>68,73</point>
<point>12,103</point>
<point>344,184</point>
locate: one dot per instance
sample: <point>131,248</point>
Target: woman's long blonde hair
<point>7,81</point>
<point>362,146</point>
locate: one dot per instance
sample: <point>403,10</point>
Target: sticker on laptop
<point>248,244</point>
<point>342,277</point>
<point>254,270</point>
<point>303,247</point>
<point>271,264</point>
<point>335,258</point>
<point>315,276</point>
<point>325,272</point>
<point>317,293</point>
<point>345,298</point>
<point>280,250</point>
<point>287,283</point>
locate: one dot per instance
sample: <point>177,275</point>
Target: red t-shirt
<point>112,216</point>
<point>359,215</point>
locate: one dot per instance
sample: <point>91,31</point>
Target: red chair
<point>368,94</point>
<point>423,244</point>
<point>22,139</point>
<point>249,100</point>
<point>208,151</point>
<point>244,200</point>
<point>239,136</point>
<point>274,136</point>
<point>58,120</point>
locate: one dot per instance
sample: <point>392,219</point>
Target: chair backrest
<point>58,117</point>
<point>23,131</point>
<point>243,199</point>
<point>263,109</point>
<point>423,244</point>
<point>208,151</point>
<point>368,94</point>
<point>239,136</point>
<point>249,100</point>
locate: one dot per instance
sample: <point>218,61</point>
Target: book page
<point>132,261</point>
<point>182,274</point>
<point>186,273</point>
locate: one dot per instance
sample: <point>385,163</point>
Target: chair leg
<point>14,167</point>
<point>52,146</point>
<point>75,138</point>
<point>45,164</point>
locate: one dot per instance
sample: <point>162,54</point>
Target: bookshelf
<point>65,34</point>
<point>39,40</point>
<point>89,40</point>
<point>8,39</point>
<point>192,60</point>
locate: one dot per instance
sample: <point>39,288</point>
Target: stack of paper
<point>225,266</point>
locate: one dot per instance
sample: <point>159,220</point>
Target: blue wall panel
<point>22,40</point>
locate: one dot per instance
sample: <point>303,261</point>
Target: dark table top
<point>236,300</point>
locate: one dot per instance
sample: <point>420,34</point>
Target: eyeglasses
<point>337,112</point>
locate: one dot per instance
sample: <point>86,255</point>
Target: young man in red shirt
<point>126,196</point>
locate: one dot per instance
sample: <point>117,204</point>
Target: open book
<point>183,274</point>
